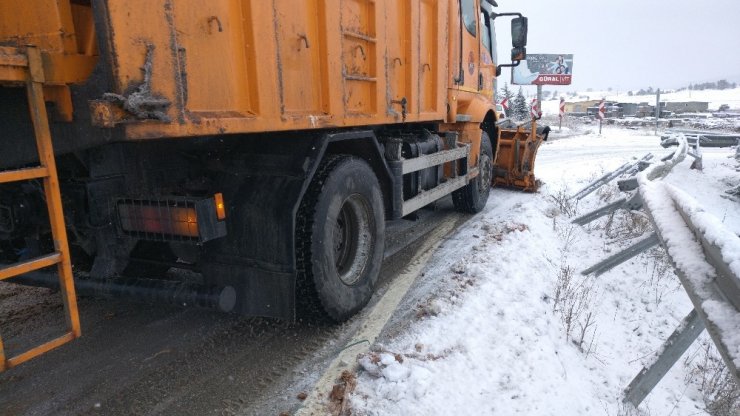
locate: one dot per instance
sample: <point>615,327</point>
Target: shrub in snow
<point>573,302</point>
<point>563,203</point>
<point>719,391</point>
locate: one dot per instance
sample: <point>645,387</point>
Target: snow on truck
<point>262,144</point>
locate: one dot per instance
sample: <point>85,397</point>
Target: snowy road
<point>159,360</point>
<point>566,162</point>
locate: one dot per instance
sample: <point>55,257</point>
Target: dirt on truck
<point>260,145</point>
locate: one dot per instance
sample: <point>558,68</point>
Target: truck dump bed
<point>179,68</point>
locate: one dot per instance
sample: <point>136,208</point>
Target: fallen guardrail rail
<point>628,168</point>
<point>706,259</point>
<point>706,138</point>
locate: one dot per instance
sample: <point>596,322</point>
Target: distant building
<point>687,107</point>
<point>645,110</point>
<point>580,106</point>
<point>613,110</point>
<point>629,109</point>
<point>642,109</point>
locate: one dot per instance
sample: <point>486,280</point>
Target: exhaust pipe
<point>142,290</point>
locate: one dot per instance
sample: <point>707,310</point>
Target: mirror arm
<point>495,15</point>
<point>511,65</point>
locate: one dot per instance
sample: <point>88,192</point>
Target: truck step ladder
<point>47,172</point>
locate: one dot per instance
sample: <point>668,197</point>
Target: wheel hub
<point>353,240</point>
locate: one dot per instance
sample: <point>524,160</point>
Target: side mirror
<point>518,54</point>
<point>518,40</point>
<point>519,32</point>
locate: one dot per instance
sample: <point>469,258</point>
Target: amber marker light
<point>220,207</point>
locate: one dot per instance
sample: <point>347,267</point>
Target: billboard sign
<point>543,69</point>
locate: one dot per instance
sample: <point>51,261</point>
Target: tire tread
<point>309,303</point>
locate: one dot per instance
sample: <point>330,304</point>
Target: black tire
<point>473,197</point>
<point>339,238</point>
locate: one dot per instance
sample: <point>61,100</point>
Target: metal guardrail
<point>705,256</point>
<point>627,168</point>
<point>705,137</point>
<point>702,261</point>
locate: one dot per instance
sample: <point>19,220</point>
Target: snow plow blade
<point>517,150</point>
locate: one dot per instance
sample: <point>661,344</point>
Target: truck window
<point>468,14</point>
<point>485,34</point>
<point>494,49</point>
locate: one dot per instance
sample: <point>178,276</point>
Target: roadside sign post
<point>562,113</point>
<point>657,111</point>
<point>601,114</point>
<point>534,110</point>
<point>539,97</point>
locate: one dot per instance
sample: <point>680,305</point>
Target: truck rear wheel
<point>339,238</point>
<point>474,196</point>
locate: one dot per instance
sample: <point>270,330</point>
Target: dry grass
<point>715,382</point>
<point>563,203</point>
<point>574,303</point>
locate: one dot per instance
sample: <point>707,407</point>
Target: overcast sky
<point>633,44</point>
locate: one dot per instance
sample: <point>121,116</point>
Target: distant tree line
<point>719,85</point>
<point>722,84</point>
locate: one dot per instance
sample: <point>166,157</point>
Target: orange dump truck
<point>262,144</point>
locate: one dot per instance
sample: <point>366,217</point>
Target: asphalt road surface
<point>162,360</point>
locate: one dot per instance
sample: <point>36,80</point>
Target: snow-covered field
<point>715,98</point>
<point>512,327</point>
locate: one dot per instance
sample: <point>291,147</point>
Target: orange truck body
<point>236,66</point>
<point>248,66</point>
<point>226,118</point>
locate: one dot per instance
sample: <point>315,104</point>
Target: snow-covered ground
<point>511,326</point>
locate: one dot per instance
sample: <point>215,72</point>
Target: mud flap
<point>263,189</point>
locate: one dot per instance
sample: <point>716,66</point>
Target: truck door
<point>470,45</point>
<point>487,55</point>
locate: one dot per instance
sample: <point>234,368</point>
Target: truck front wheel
<point>473,197</point>
<point>339,238</point>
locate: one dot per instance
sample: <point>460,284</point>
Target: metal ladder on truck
<point>28,67</point>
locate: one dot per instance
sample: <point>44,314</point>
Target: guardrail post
<point>672,350</point>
